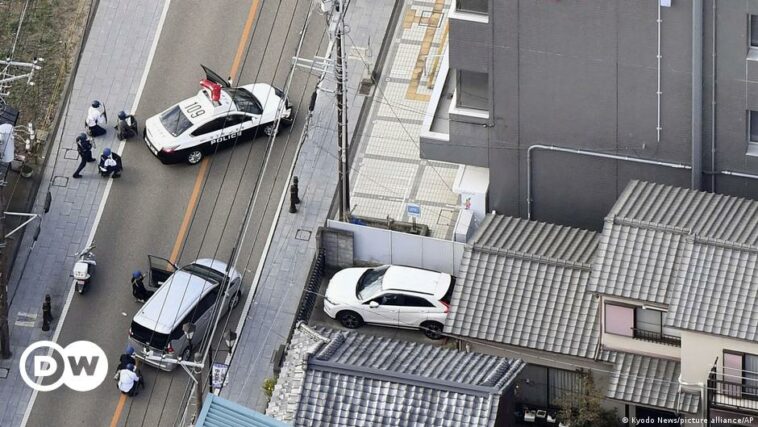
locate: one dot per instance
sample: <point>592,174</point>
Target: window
<point>476,6</point>
<point>544,387</point>
<point>392,299</point>
<point>740,375</point>
<point>619,320</point>
<point>753,31</point>
<point>648,320</point>
<point>175,121</point>
<point>245,101</point>
<point>473,90</point>
<point>411,301</point>
<point>638,322</point>
<point>212,126</point>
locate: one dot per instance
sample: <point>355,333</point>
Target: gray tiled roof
<point>717,292</point>
<point>523,283</point>
<point>343,378</point>
<point>691,250</point>
<point>650,381</point>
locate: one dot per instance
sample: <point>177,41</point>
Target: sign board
<point>218,374</point>
<point>413,210</point>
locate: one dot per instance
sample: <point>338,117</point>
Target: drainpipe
<point>658,91</point>
<point>731,173</point>
<point>583,153</point>
<point>699,385</point>
<point>713,98</point>
<point>697,94</point>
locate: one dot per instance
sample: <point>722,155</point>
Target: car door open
<point>160,270</point>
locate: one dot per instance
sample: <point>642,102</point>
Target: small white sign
<point>413,210</point>
<point>218,374</point>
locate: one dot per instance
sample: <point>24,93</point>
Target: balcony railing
<point>732,395</point>
<point>642,334</point>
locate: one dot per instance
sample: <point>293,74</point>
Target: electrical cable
<point>292,70</point>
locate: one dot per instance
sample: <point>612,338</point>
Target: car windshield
<point>370,283</point>
<point>175,121</point>
<point>245,101</point>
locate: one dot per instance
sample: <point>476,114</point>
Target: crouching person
<point>110,164</point>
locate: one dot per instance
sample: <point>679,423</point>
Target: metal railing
<point>732,394</point>
<point>645,335</point>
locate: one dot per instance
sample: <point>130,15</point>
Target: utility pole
<point>5,338</point>
<point>340,74</point>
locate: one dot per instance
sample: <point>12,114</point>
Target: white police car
<point>217,116</point>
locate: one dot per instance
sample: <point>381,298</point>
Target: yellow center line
<point>197,188</point>
<point>191,205</point>
<point>245,35</point>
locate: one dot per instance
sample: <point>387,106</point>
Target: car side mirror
<point>373,304</point>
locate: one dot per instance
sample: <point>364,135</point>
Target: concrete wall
<point>338,245</point>
<point>378,246</point>
<point>700,351</point>
<point>583,74</point>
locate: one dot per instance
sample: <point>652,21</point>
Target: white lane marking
<point>101,208</point>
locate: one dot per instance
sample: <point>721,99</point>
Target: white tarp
<point>7,143</point>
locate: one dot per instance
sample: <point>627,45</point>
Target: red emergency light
<point>214,88</point>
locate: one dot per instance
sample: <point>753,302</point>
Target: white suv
<point>402,297</point>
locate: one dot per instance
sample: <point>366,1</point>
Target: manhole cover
<point>60,181</point>
<point>303,235</point>
<point>70,154</point>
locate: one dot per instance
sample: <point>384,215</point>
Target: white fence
<point>381,246</point>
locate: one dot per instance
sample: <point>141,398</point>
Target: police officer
<point>84,148</point>
<point>110,163</point>
<point>96,118</point>
<point>126,127</point>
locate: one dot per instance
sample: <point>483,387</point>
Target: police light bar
<point>213,88</point>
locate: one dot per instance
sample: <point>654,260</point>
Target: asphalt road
<point>148,202</point>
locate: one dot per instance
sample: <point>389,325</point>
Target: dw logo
<point>82,365</point>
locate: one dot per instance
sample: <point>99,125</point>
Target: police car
<point>217,116</point>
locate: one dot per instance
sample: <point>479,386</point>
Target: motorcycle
<point>84,267</point>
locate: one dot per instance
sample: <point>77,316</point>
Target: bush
<point>268,386</point>
<point>585,409</point>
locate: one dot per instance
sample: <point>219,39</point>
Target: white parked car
<point>216,117</point>
<point>390,295</point>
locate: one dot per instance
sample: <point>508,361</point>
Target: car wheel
<point>432,330</point>
<point>234,302</point>
<point>350,319</point>
<point>194,157</point>
<point>269,130</point>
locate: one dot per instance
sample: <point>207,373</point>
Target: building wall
<point>634,345</point>
<point>700,351</point>
<point>583,74</point>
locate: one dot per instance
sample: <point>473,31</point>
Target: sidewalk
<point>272,312</point>
<point>111,74</point>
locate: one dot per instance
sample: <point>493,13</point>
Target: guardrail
<point>732,395</point>
<point>644,335</point>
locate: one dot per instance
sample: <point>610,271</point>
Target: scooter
<point>84,267</point>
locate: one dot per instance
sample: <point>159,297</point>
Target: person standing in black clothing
<point>84,148</point>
